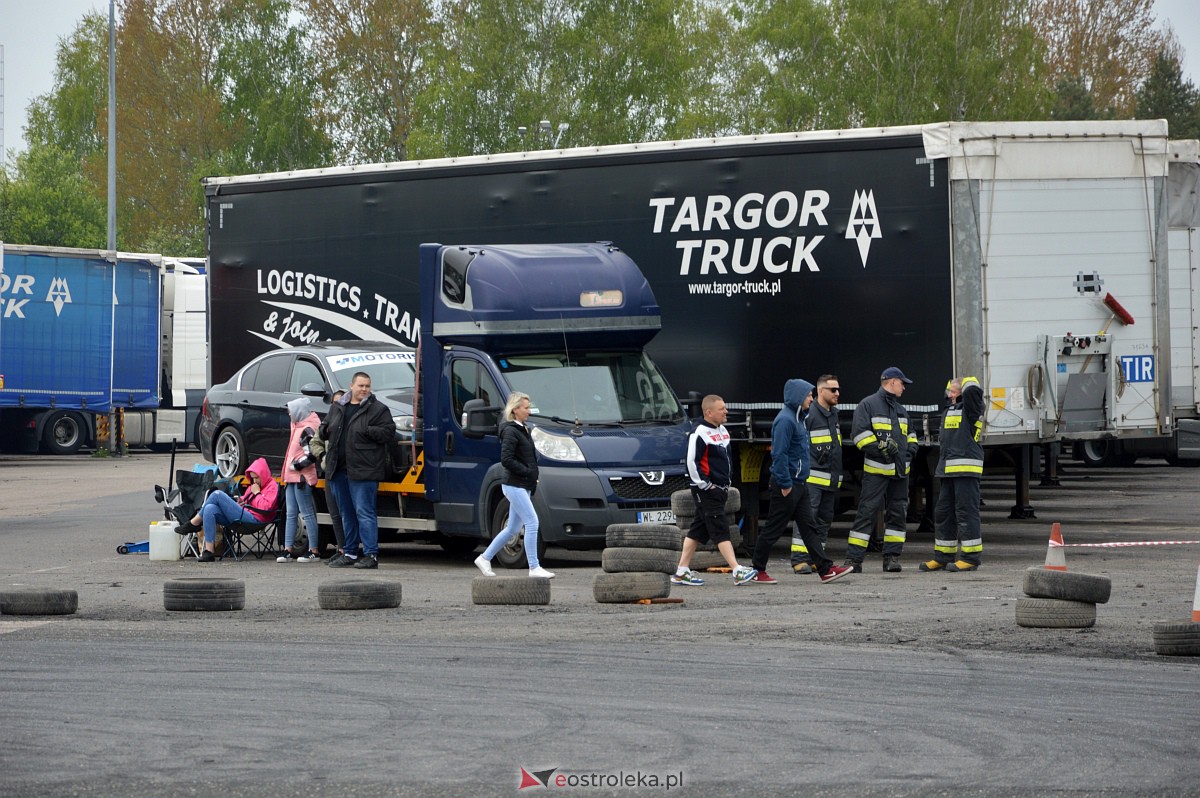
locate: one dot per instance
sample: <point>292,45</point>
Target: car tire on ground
<point>204,594</point>
<point>1046,583</point>
<point>358,594</point>
<point>682,502</point>
<point>645,536</point>
<point>625,587</point>
<point>1177,638</point>
<point>38,601</point>
<point>735,532</point>
<point>703,560</point>
<point>1047,613</point>
<point>510,590</point>
<point>631,560</point>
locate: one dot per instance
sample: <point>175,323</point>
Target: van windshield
<point>597,386</point>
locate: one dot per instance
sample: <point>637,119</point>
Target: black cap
<point>891,372</point>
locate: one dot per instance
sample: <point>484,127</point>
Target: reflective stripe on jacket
<point>960,454</point>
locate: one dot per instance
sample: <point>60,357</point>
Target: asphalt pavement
<point>879,684</point>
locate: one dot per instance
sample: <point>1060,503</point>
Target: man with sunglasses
<point>825,472</point>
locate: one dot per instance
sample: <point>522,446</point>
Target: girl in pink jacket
<point>257,505</point>
<point>299,478</point>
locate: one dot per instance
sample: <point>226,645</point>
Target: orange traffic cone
<point>1196,600</point>
<point>1056,558</point>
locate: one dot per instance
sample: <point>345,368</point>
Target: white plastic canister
<point>165,543</point>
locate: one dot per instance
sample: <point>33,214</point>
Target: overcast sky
<point>30,30</point>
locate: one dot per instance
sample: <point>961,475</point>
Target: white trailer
<point>1049,221</point>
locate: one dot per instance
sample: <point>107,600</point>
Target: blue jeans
<point>298,498</point>
<point>520,513</point>
<point>221,509</point>
<point>356,502</point>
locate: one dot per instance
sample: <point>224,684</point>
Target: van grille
<point>636,489</point>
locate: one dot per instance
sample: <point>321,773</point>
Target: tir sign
<point>601,299</point>
<point>1138,368</point>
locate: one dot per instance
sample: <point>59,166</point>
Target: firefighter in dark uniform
<point>882,434</point>
<point>957,537</point>
<point>825,470</point>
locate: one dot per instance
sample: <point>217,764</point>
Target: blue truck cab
<point>566,324</point>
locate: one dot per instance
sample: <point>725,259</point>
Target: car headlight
<point>556,447</point>
<point>403,423</point>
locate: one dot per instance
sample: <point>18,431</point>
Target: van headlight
<point>556,447</point>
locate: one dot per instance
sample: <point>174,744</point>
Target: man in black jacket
<point>357,432</point>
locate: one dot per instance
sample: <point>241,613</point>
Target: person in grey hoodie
<point>788,492</point>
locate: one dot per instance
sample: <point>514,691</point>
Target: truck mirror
<point>313,389</point>
<point>478,419</point>
<point>692,404</point>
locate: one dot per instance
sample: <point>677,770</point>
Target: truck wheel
<point>63,432</point>
<point>510,590</point>
<point>1067,585</point>
<point>512,555</point>
<point>204,594</point>
<point>358,594</point>
<point>1044,613</point>
<point>229,452</point>
<point>621,588</point>
<point>1098,454</point>
<point>632,560</point>
<point>1177,638</point>
<point>646,536</point>
<point>38,601</point>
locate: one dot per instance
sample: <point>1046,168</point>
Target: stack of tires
<point>638,560</point>
<point>707,556</point>
<point>1061,599</point>
<point>1177,638</point>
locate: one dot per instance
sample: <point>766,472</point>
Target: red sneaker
<point>836,572</point>
<point>762,578</point>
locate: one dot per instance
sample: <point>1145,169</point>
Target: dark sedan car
<point>247,417</point>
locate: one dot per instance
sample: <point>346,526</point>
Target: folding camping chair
<point>247,537</point>
<point>183,502</point>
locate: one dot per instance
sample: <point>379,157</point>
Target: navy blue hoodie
<point>789,436</point>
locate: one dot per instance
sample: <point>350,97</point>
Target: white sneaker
<point>541,572</point>
<point>484,566</point>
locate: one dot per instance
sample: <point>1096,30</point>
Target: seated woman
<point>256,505</point>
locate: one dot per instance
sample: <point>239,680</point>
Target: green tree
<point>1073,100</point>
<point>917,61</point>
<point>495,70</point>
<point>270,101</point>
<point>628,68</point>
<point>49,201</point>
<point>372,60</point>
<point>68,117</point>
<point>1110,45</point>
<point>1165,95</point>
<point>786,67</point>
